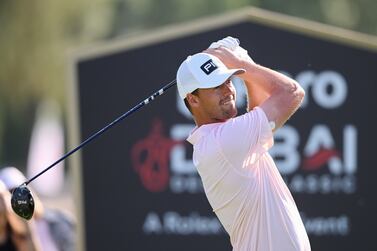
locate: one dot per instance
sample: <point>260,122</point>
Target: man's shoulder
<point>201,131</point>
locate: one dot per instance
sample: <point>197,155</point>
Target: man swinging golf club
<point>240,178</point>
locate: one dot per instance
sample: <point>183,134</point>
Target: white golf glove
<point>232,44</point>
<point>228,42</point>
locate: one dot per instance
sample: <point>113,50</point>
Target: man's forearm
<point>261,82</point>
<point>267,79</point>
<point>255,95</point>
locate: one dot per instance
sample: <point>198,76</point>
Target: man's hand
<point>230,58</point>
<point>236,59</point>
<point>278,95</point>
<point>228,42</point>
<point>233,44</point>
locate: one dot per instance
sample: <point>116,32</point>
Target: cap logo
<point>208,67</point>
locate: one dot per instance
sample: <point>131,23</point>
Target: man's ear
<point>193,100</point>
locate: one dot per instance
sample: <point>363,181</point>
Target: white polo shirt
<point>244,187</point>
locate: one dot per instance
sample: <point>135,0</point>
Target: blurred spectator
<point>15,233</point>
<point>51,229</point>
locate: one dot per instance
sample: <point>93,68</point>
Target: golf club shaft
<point>120,118</point>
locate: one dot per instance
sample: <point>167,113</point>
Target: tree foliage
<point>34,40</point>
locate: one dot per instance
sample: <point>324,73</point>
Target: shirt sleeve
<point>246,135</point>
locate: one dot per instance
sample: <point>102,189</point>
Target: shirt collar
<point>198,132</point>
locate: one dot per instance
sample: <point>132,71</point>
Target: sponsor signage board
<point>139,188</point>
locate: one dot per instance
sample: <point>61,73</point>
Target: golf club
<point>22,200</point>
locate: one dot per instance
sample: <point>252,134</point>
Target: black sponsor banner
<point>141,190</point>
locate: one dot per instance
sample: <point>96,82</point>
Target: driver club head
<point>22,202</point>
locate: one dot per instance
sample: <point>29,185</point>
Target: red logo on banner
<point>319,159</point>
<point>150,158</point>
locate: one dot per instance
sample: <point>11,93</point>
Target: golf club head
<point>22,202</point>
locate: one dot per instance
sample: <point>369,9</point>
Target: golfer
<point>240,179</point>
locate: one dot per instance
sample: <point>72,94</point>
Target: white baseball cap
<point>11,177</point>
<point>202,70</point>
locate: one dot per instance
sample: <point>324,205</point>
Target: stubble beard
<point>229,112</point>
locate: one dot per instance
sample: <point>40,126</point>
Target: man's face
<point>218,104</point>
